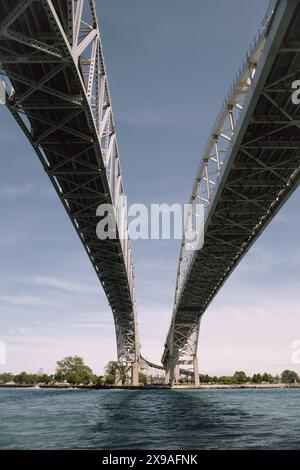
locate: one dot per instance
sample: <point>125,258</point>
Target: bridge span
<point>57,91</point>
<point>249,168</point>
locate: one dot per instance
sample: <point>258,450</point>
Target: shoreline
<point>153,387</point>
<point>235,386</point>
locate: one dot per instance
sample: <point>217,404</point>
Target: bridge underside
<point>51,54</point>
<point>260,171</point>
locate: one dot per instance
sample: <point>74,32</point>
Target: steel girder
<point>57,90</point>
<point>155,373</point>
<point>248,170</point>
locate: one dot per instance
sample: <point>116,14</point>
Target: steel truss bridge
<point>57,90</point>
<point>250,167</point>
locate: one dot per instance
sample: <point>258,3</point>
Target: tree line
<point>72,370</point>
<point>240,377</point>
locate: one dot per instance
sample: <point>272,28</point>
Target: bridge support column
<point>196,372</point>
<point>177,374</point>
<point>170,372</point>
<point>135,369</point>
<point>167,376</point>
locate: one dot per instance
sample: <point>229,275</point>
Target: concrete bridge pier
<point>170,372</point>
<point>174,368</point>
<point>177,374</point>
<point>135,370</point>
<point>196,372</point>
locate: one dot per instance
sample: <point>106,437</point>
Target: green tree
<point>226,379</point>
<point>59,377</point>
<point>32,379</point>
<point>26,379</point>
<point>113,368</point>
<point>99,380</point>
<point>205,379</point>
<point>21,378</point>
<point>239,377</point>
<point>110,379</point>
<point>74,370</point>
<point>257,379</point>
<point>143,378</point>
<point>268,378</point>
<point>6,377</point>
<point>289,377</point>
<point>74,378</point>
<point>46,379</point>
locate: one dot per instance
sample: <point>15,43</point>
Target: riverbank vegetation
<point>70,371</point>
<point>240,377</point>
<point>73,371</point>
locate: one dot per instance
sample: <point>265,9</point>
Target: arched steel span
<point>248,170</point>
<point>51,54</point>
<point>155,373</point>
<point>152,365</point>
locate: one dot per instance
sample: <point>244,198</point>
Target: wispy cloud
<point>42,348</point>
<point>92,325</point>
<point>263,260</point>
<point>61,284</point>
<point>156,266</point>
<point>20,331</point>
<point>25,301</point>
<point>249,330</point>
<point>15,191</point>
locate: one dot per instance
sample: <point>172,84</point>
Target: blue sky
<point>170,64</point>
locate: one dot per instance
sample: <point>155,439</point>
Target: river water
<point>151,419</point>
